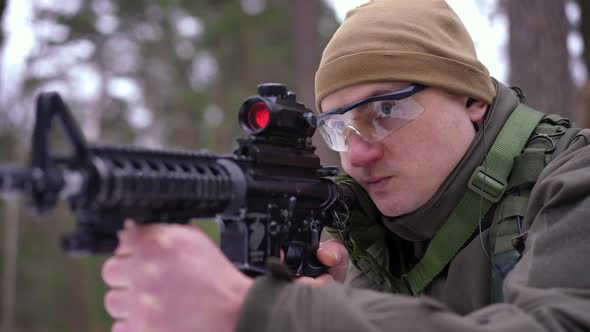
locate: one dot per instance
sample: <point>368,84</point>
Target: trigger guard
<point>302,260</point>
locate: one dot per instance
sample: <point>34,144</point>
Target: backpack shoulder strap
<point>486,187</point>
<point>507,234</point>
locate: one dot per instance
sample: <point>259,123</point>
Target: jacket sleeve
<point>548,289</point>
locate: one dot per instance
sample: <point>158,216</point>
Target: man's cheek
<point>344,160</point>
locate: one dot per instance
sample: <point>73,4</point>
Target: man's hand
<point>333,254</point>
<point>172,278</point>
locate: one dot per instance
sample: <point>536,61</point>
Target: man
<point>432,140</point>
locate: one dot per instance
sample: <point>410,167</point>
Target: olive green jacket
<point>548,289</point>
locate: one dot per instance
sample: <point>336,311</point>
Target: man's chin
<point>393,205</point>
<point>390,210</point>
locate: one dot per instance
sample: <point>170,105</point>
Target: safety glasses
<point>372,118</point>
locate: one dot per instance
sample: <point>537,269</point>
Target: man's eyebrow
<point>380,91</point>
<point>377,92</point>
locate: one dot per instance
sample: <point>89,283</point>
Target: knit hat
<point>416,41</point>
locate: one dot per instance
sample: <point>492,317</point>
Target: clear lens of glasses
<point>371,121</point>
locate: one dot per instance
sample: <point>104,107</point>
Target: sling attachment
<point>340,219</point>
<point>489,181</point>
<point>368,249</point>
<point>366,262</point>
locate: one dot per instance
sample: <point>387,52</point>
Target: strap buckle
<point>486,185</point>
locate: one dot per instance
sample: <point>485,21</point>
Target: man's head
<point>420,51</point>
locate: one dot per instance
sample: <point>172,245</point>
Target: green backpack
<point>526,144</point>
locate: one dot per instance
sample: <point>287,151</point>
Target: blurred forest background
<point>172,73</point>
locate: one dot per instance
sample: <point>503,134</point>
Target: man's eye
<point>385,108</point>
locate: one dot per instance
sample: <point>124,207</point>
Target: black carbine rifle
<point>271,194</point>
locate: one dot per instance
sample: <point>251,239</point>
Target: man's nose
<point>362,153</point>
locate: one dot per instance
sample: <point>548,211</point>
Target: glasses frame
<point>394,95</point>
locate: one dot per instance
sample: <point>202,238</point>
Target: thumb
<point>332,253</point>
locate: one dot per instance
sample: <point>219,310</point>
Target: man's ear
<point>476,109</point>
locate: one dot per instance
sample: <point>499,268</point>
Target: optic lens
<point>258,116</point>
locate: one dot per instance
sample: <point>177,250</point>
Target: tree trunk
<point>9,259</point>
<point>304,21</point>
<point>538,54</point>
<point>11,229</point>
<point>2,10</point>
<point>584,107</point>
<point>585,29</point>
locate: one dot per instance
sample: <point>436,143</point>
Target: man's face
<point>404,170</point>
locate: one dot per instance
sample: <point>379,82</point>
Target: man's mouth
<point>377,183</point>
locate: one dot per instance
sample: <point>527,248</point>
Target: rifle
<point>271,194</point>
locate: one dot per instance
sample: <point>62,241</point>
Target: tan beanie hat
<point>417,41</point>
